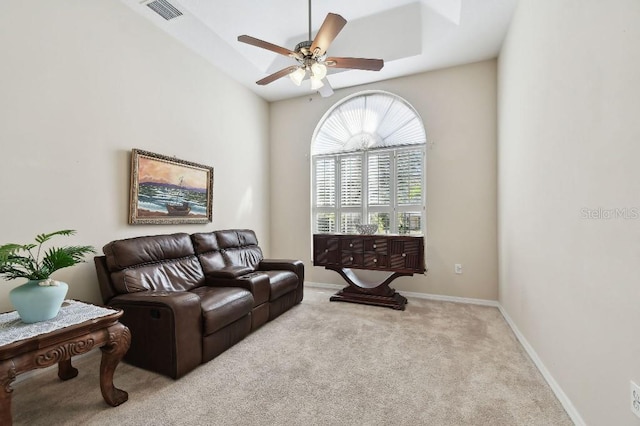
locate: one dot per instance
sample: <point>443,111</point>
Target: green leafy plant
<point>20,261</point>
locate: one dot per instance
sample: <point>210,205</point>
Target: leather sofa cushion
<point>282,282</point>
<point>227,249</point>
<point>222,305</point>
<point>233,238</point>
<point>239,247</point>
<point>206,247</point>
<point>174,275</point>
<point>129,252</point>
<point>204,242</point>
<point>158,262</point>
<point>244,256</point>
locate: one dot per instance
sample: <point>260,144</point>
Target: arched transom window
<point>369,166</point>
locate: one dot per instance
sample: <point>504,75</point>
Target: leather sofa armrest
<point>256,283</point>
<point>178,301</point>
<point>106,289</point>
<point>229,272</point>
<point>295,266</point>
<point>163,322</point>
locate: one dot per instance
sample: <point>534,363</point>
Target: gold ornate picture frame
<point>165,190</point>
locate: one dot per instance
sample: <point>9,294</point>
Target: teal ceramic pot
<point>36,303</point>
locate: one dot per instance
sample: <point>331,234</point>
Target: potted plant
<point>40,298</point>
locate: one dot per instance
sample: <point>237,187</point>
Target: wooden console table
<point>95,327</point>
<point>400,255</point>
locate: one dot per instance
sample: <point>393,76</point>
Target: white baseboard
<point>428,296</point>
<point>454,299</point>
<point>555,387</point>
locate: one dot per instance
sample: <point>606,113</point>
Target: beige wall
<point>84,82</point>
<point>458,107</point>
<point>569,140</point>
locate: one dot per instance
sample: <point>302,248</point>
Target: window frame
<point>393,209</point>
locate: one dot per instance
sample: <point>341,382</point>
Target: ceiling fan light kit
<point>316,83</point>
<point>311,56</point>
<point>298,75</point>
<point>319,70</point>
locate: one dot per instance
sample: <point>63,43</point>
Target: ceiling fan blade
<point>276,75</point>
<point>330,28</point>
<point>266,45</point>
<point>326,90</point>
<point>355,63</point>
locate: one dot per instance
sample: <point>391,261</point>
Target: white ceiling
<point>410,35</point>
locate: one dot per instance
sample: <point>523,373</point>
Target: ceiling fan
<point>312,56</point>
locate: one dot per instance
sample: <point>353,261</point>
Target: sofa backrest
<point>228,248</point>
<point>159,262</point>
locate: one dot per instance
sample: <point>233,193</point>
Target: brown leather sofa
<point>187,298</point>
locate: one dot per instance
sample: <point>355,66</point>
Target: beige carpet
<point>325,363</point>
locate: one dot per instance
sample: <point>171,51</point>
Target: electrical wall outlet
<point>458,268</point>
<point>635,399</point>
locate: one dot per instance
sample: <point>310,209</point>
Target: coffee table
<point>78,328</point>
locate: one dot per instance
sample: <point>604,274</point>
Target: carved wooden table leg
<point>66,371</point>
<point>7,376</point>
<point>112,353</point>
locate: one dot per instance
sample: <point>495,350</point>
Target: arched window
<point>368,166</point>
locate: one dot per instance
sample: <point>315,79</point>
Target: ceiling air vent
<point>164,9</point>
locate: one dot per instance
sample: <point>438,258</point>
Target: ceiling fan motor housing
<point>303,47</point>
<point>306,58</point>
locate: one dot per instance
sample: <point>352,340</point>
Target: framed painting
<point>165,190</point>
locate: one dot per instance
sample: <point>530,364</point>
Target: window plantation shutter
<point>326,182</point>
<point>349,221</point>
<point>379,179</point>
<point>326,222</point>
<point>368,121</point>
<point>409,177</point>
<point>351,181</point>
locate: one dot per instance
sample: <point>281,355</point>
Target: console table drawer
<point>352,259</point>
<point>326,250</point>
<point>378,245</point>
<point>397,253</point>
<point>373,260</point>
<point>406,254</point>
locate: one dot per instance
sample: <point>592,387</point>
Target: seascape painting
<point>167,190</point>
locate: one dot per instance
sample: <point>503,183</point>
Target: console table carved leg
<point>369,293</point>
<point>7,376</point>
<point>66,371</point>
<point>112,353</point>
